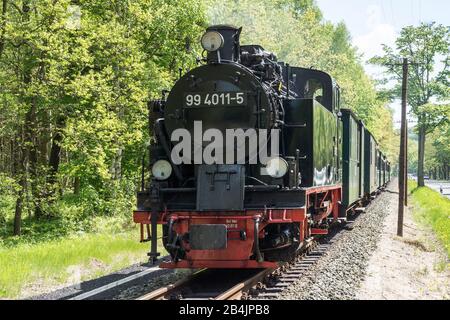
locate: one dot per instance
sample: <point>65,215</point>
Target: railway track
<point>246,284</point>
<point>211,284</point>
<point>234,284</point>
<point>252,284</point>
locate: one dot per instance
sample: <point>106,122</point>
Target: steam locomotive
<point>241,213</point>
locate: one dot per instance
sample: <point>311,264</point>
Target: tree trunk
<point>421,158</point>
<point>55,153</point>
<point>117,165</point>
<point>20,169</point>
<point>30,137</point>
<point>19,206</point>
<point>76,186</point>
<point>44,137</point>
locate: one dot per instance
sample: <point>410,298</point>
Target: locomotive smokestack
<point>230,49</point>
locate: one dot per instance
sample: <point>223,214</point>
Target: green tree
<point>296,32</point>
<point>75,78</point>
<point>428,80</point>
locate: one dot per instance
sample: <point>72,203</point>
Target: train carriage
<point>352,160</point>
<point>370,164</point>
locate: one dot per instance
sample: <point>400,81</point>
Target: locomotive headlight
<point>212,41</point>
<point>161,170</point>
<point>276,167</point>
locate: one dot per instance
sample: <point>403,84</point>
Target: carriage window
<point>314,90</point>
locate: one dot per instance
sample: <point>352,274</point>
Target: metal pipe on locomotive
<point>246,214</point>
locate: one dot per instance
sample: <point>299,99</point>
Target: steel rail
<point>159,293</point>
<point>235,293</point>
<point>115,284</point>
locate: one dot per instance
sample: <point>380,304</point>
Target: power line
<point>392,13</point>
<point>420,11</point>
<point>382,10</point>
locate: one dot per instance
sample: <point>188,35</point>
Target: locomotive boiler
<point>234,210</point>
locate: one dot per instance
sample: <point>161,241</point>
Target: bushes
<point>106,210</point>
<point>8,189</point>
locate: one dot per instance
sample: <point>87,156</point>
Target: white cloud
<point>370,44</point>
<point>373,13</point>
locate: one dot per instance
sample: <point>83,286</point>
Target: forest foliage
<point>297,33</point>
<point>76,76</point>
<point>427,48</point>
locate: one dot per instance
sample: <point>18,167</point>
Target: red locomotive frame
<point>324,201</point>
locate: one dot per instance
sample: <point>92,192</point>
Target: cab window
<point>314,90</point>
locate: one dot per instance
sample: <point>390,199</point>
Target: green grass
<point>431,208</point>
<point>70,259</point>
<point>80,237</point>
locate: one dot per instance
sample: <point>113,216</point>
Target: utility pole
<point>406,163</point>
<point>402,159</point>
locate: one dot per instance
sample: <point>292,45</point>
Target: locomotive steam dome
<point>223,94</point>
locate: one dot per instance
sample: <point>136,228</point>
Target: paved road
<point>438,184</point>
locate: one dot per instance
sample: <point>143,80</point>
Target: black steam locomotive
<point>242,213</point>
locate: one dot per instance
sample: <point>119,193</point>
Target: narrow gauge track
<point>211,284</point>
<point>246,284</point>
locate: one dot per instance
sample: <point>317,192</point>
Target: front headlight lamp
<point>277,167</point>
<point>212,41</point>
<point>161,170</point>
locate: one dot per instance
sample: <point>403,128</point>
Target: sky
<point>376,22</point>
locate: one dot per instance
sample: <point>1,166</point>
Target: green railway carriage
<point>388,171</point>
<point>318,159</point>
<point>370,163</point>
<point>352,159</point>
<point>315,122</point>
<point>379,168</point>
<point>363,159</point>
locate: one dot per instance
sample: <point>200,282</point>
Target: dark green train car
<point>378,166</point>
<point>370,163</point>
<point>352,159</point>
<point>380,169</point>
<point>384,170</point>
<point>388,171</point>
<point>316,130</point>
<point>319,160</point>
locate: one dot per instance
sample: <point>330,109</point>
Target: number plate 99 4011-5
<point>213,99</point>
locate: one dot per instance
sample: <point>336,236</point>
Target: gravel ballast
<point>339,273</point>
